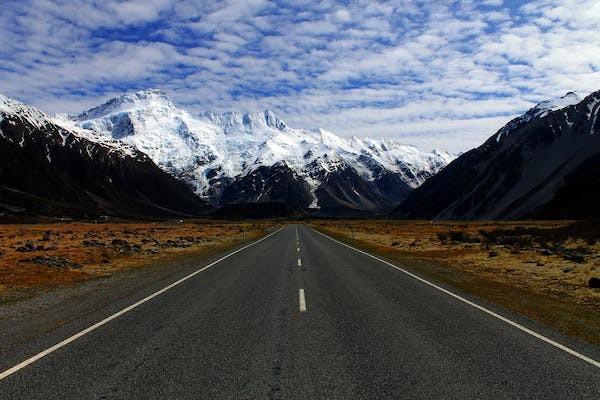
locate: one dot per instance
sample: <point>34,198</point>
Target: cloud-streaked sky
<point>444,74</point>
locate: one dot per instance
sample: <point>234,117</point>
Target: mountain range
<point>138,155</point>
<point>543,164</point>
<point>247,158</point>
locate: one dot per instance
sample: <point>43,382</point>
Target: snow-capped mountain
<point>254,157</point>
<point>540,110</point>
<point>49,168</point>
<point>545,163</point>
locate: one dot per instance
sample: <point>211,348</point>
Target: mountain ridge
<point>47,169</point>
<point>518,171</point>
<point>211,151</point>
<point>541,163</point>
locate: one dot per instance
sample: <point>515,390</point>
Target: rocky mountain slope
<point>237,158</point>
<point>544,163</point>
<point>49,169</point>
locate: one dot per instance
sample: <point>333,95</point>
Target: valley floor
<point>38,257</point>
<point>292,315</point>
<point>542,269</point>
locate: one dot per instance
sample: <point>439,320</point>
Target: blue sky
<point>443,74</point>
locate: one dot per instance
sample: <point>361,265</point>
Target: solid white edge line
<point>299,262</point>
<point>302,300</point>
<point>97,325</point>
<point>477,306</point>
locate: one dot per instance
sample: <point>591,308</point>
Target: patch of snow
<point>545,107</point>
<point>594,122</point>
<point>593,106</point>
<point>569,123</point>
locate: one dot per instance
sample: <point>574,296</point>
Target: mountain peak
<point>273,120</point>
<point>266,117</point>
<point>540,110</point>
<point>233,121</point>
<point>14,107</point>
<point>128,101</point>
<point>546,106</point>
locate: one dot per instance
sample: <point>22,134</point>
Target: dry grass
<point>539,268</point>
<point>48,255</point>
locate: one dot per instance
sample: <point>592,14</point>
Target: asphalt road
<point>238,330</point>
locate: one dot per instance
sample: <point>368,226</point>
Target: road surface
<point>299,316</point>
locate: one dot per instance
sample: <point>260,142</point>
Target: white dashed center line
<point>299,262</point>
<point>302,301</point>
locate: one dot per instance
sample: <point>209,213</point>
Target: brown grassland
<point>546,270</point>
<point>44,256</point>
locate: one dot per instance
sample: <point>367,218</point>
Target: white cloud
<point>444,73</point>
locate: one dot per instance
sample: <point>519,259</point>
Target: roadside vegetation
<point>547,270</point>
<point>44,256</point>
